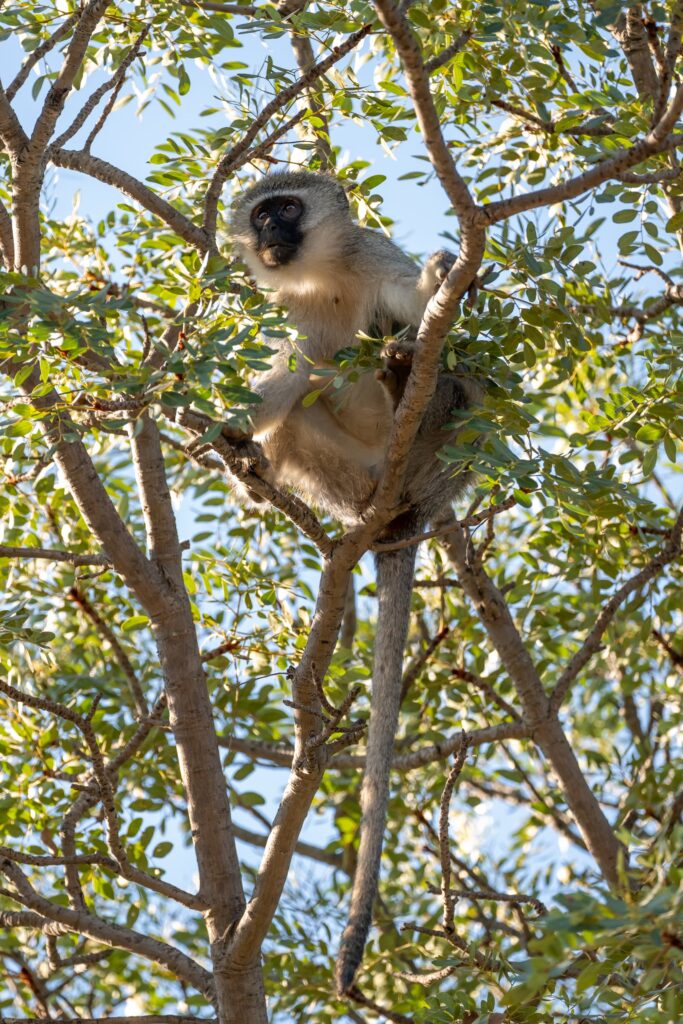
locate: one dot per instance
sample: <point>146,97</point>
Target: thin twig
<point>413,671</point>
<point>114,83</point>
<point>38,54</point>
<point>668,553</point>
<point>124,662</point>
<point>444,838</point>
<point>103,778</point>
<point>229,160</point>
<point>53,555</point>
<point>438,61</point>
<point>382,1011</point>
<point>486,687</point>
<point>443,531</point>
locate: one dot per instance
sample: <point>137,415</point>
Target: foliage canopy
<point>546,630</point>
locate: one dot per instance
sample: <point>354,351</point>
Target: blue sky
<point>128,141</point>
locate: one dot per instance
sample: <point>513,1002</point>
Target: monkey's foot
<point>392,384</point>
<point>248,457</point>
<point>399,351</point>
<point>398,359</point>
<point>234,433</point>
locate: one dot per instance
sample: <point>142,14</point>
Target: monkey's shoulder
<point>384,256</point>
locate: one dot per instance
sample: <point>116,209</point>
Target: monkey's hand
<point>398,360</point>
<point>435,271</point>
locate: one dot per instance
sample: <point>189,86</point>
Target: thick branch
<point>192,722</point>
<point>80,160</point>
<point>6,238</point>
<point>659,140</point>
<point>546,730</point>
<point>417,79</point>
<point>155,499</point>
<point>631,33</point>
<point>11,132</point>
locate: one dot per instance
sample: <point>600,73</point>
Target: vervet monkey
<point>296,235</point>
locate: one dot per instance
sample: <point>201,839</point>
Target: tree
<point>146,677</point>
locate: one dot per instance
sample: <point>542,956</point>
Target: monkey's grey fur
<point>295,232</point>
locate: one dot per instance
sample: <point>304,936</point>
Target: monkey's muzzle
<point>277,255</point>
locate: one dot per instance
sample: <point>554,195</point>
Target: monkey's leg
<point>280,390</point>
<point>325,466</point>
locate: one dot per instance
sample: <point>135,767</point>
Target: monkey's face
<point>276,226</point>
<point>292,229</point>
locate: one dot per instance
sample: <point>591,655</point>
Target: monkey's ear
<point>346,187</point>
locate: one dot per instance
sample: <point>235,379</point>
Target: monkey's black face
<point>276,224</point>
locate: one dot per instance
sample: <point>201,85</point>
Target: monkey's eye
<point>290,209</point>
<point>260,216</point>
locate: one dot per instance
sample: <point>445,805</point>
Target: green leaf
<point>134,622</point>
<point>310,398</point>
<point>624,216</point>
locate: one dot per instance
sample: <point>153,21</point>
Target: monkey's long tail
<point>394,587</point>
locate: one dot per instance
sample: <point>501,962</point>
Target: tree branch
<point>438,61</point>
<point>631,33</point>
<point>591,644</point>
<point>11,131</point>
<point>83,923</point>
<point>293,507</point>
<point>103,777</point>
<point>114,83</point>
<point>248,10</point>
<point>229,160</point>
<point>417,79</point>
<point>305,60</point>
<point>6,238</point>
<point>53,555</point>
<point>153,1018</point>
<point>90,15</point>
<point>545,729</point>
<point>40,51</point>
<point>659,140</point>
<point>80,160</point>
<point>334,860</point>
<point>444,837</point>
<point>120,656</point>
<point>469,521</point>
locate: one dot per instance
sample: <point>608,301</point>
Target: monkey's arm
<point>406,293</point>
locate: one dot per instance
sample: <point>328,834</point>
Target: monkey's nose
<point>270,232</point>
